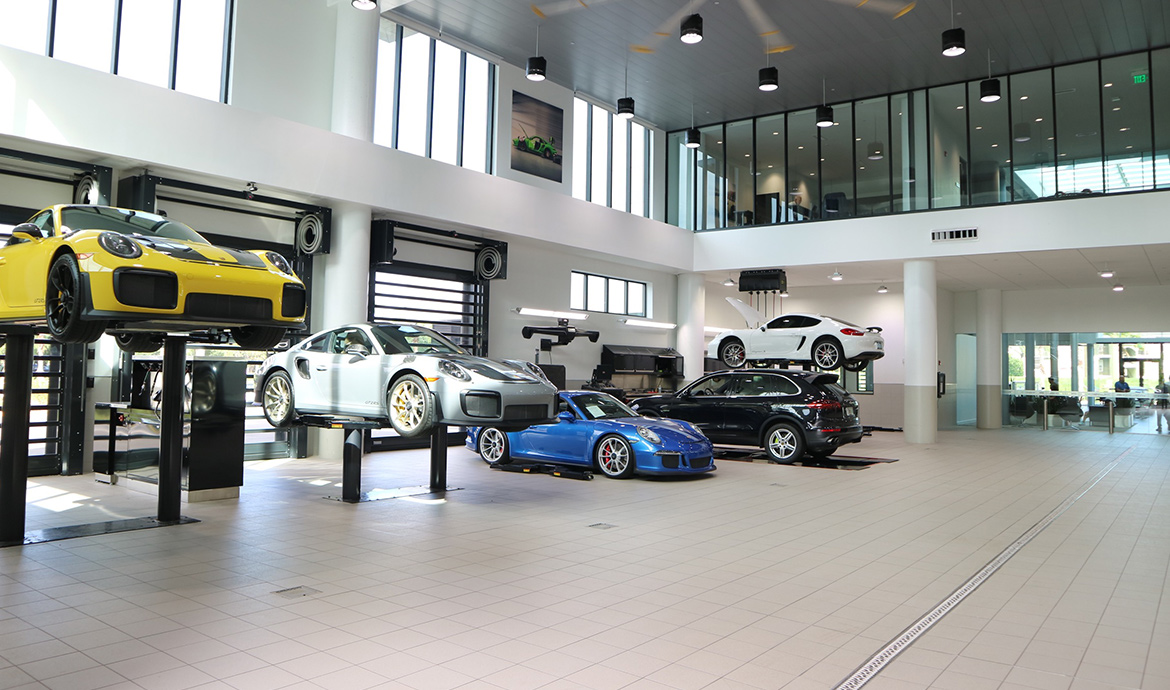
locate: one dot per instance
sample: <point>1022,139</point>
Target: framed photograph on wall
<point>537,136</point>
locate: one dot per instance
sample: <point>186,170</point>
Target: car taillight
<point>824,405</point>
<point>851,331</point>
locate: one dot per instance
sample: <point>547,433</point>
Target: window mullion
<point>430,98</point>
<point>117,37</point>
<point>462,108</point>
<point>50,40</point>
<point>173,69</point>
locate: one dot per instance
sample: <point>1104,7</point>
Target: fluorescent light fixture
<point>1106,273</point>
<point>714,329</point>
<point>1118,287</point>
<point>648,324</point>
<point>529,311</point>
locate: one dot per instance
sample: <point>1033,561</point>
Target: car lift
<point>351,460</point>
<point>543,468</point>
<point>563,331</point>
<point>18,359</point>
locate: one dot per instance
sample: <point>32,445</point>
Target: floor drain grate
<point>297,592</point>
<point>602,525</point>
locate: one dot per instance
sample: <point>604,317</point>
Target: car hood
<point>749,313</point>
<point>203,253</point>
<point>669,430</point>
<point>490,368</point>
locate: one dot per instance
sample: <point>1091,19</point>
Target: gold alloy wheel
<point>277,397</point>
<point>407,403</point>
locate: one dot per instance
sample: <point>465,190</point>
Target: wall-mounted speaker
<point>491,262</point>
<point>87,190</point>
<point>312,234</point>
<point>766,280</point>
<point>381,242</point>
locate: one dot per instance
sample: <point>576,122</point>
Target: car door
<point>350,377</point>
<point>779,338</point>
<point>756,398</point>
<point>24,267</point>
<point>564,441</point>
<point>701,404</point>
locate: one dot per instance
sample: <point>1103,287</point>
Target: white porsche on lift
<point>826,342</point>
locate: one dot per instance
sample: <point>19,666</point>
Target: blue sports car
<point>597,430</point>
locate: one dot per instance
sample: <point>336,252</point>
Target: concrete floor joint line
<point>874,665</point>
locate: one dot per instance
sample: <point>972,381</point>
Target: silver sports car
<point>409,376</point>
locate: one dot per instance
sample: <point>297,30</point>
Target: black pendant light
<point>874,152</point>
<point>769,79</point>
<point>824,112</point>
<point>693,138</point>
<point>692,29</point>
<point>537,66</point>
<point>365,4</point>
<point>1021,132</point>
<point>625,106</point>
<point>954,40</point>
<point>989,88</point>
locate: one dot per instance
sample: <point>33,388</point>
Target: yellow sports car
<point>86,269</point>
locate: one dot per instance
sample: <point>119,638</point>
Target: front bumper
<point>510,406</point>
<point>674,458</point>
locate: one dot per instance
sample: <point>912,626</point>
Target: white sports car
<point>826,342</point>
<point>409,376</point>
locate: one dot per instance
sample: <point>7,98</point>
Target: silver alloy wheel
<point>613,457</point>
<point>827,354</point>
<point>782,443</point>
<point>407,404</point>
<point>277,398</point>
<point>733,354</point>
<point>491,444</point>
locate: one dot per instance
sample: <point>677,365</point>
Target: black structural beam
<point>18,361</point>
<point>351,467</point>
<point>439,458</point>
<point>170,458</point>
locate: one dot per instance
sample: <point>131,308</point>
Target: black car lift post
<point>18,359</point>
<point>352,454</point>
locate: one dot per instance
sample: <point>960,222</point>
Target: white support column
<point>340,297</point>
<point>921,319</point>
<point>355,61</point>
<point>692,317</point>
<point>988,359</point>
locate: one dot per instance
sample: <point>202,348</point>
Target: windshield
<point>125,222</point>
<point>401,339</point>
<point>602,406</point>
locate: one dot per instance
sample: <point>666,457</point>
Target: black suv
<point>785,412</point>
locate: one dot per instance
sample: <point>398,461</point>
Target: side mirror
<point>566,417</point>
<point>763,328</point>
<point>358,351</point>
<point>25,232</point>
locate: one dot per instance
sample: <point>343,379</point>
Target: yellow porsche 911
<point>86,269</point>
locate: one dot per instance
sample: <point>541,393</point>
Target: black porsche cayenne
<point>787,413</point>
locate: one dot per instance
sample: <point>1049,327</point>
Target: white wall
<point>538,277</point>
<point>282,64</point>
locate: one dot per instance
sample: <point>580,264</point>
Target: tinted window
<point>715,385</point>
<point>317,344</point>
<point>404,339</point>
<point>787,322</point>
<point>834,389</point>
<point>125,222</point>
<point>602,406</point>
<point>348,338</point>
<point>765,384</point>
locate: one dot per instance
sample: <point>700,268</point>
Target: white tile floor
<point>758,576</point>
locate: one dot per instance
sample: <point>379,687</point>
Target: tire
<point>855,365</point>
<point>258,337</point>
<point>732,353</point>
<point>614,457</point>
<point>278,401</point>
<point>784,444</point>
<point>493,446</point>
<point>64,303</point>
<point>410,407</point>
<point>826,354</point>
<point>138,342</point>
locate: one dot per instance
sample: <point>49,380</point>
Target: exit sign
<point>1140,78</point>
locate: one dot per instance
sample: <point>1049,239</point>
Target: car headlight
<point>648,434</point>
<point>119,245</point>
<point>453,370</point>
<point>279,263</point>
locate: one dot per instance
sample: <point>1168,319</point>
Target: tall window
<point>612,159</point>
<point>433,99</point>
<point>174,45</point>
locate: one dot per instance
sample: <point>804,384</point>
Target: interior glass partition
<point>1033,136</point>
<point>771,191</point>
<point>1159,73</point>
<point>991,151</point>
<point>948,146</point>
<point>1078,129</point>
<point>837,194</point>
<point>741,178</point>
<point>871,151</point>
<point>1128,131</point>
<point>710,183</point>
<point>908,148</point>
<point>804,187</point>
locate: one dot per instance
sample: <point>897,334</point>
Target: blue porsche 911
<point>597,430</point>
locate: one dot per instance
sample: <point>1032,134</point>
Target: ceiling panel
<point>856,51</point>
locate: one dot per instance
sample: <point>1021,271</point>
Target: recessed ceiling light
<point>1108,84</point>
<point>882,289</point>
<point>1118,288</point>
<point>837,276</point>
<point>1023,98</point>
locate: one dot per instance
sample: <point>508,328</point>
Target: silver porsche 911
<point>409,376</point>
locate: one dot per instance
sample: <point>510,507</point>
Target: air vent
<point>953,235</point>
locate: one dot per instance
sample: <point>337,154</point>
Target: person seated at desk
<point>1121,386</point>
